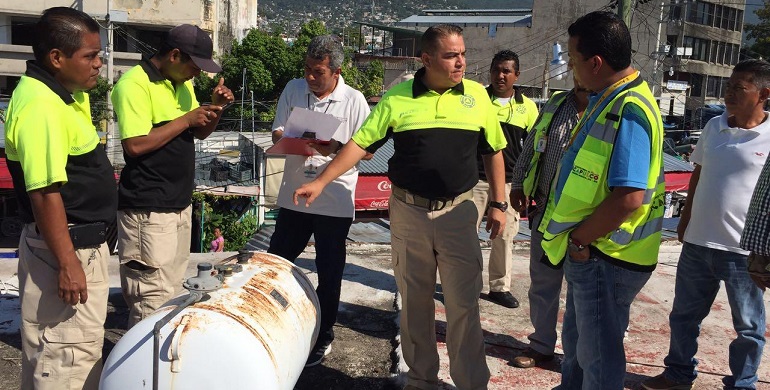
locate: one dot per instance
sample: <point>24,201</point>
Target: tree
<point>760,32</point>
<point>268,61</point>
<point>367,80</point>
<point>98,96</point>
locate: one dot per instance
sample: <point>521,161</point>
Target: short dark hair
<point>431,36</point>
<point>759,70</point>
<point>61,28</point>
<point>506,55</point>
<point>604,34</point>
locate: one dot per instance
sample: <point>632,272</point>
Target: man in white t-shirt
<point>728,160</point>
<point>330,217</point>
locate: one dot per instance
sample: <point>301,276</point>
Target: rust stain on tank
<point>254,304</point>
<point>246,325</point>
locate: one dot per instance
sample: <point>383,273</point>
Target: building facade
<point>704,41</point>
<point>139,27</point>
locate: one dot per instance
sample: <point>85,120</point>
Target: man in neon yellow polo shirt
<point>159,117</point>
<point>438,122</point>
<point>66,192</point>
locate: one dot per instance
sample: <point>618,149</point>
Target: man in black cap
<point>158,116</point>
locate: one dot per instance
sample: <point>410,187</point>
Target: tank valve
<point>205,281</point>
<point>244,256</point>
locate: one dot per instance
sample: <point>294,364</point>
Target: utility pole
<point>545,79</point>
<point>656,80</point>
<point>624,10</point>
<point>112,138</point>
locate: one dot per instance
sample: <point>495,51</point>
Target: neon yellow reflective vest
<point>637,240</point>
<point>542,128</point>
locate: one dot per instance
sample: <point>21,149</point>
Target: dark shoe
<point>530,358</point>
<point>503,298</point>
<point>318,353</point>
<point>660,382</point>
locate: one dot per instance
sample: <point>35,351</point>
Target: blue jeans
<point>599,297</point>
<point>698,274</point>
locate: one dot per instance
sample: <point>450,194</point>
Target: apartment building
<point>138,27</point>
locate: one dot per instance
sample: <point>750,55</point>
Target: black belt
<point>429,204</point>
<point>86,235</point>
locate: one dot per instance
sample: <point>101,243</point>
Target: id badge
<point>541,143</point>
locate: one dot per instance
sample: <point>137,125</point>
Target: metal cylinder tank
<point>255,332</point>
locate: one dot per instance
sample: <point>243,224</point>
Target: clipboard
<point>296,146</point>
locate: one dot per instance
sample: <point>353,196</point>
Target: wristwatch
<point>574,245</point>
<point>340,144</point>
<point>502,206</point>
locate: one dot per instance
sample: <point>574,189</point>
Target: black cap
<point>196,43</point>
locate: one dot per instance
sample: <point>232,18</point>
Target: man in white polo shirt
<point>728,160</point>
<point>330,217</point>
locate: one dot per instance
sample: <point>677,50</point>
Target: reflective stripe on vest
<point>637,239</point>
<point>542,126</point>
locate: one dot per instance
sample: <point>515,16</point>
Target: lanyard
<point>311,109</point>
<point>612,88</point>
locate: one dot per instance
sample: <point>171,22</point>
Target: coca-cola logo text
<point>382,203</point>
<point>383,186</point>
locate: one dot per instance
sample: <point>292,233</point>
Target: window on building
<point>712,86</point>
<point>22,32</point>
<point>713,52</point>
<point>731,19</point>
<point>705,46</point>
<point>675,12</point>
<point>692,12</point>
<point>696,85</point>
<point>739,20</point>
<point>708,16</point>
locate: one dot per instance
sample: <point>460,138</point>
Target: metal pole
<point>112,139</point>
<point>624,10</point>
<point>656,82</point>
<point>253,147</point>
<point>243,91</point>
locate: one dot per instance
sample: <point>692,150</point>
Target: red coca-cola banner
<point>677,181</point>
<point>372,193</point>
<point>5,176</point>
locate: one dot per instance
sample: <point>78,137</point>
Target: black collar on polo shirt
<point>38,73</point>
<point>152,72</point>
<point>517,96</point>
<point>419,88</point>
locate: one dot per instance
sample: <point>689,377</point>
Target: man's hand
<point>583,255</point>
<point>202,115</point>
<point>519,201</point>
<point>495,222</point>
<point>681,228</point>
<point>327,149</point>
<point>72,282</point>
<point>221,95</point>
<point>310,191</point>
<point>758,270</point>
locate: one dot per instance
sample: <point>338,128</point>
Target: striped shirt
<point>756,232</point>
<point>564,120</point>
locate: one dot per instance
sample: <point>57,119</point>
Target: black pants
<point>292,233</point>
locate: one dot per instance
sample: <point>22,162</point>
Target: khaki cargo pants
<point>445,240</point>
<point>61,344</point>
<point>501,255</point>
<point>154,250</point>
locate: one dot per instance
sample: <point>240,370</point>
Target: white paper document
<point>301,120</point>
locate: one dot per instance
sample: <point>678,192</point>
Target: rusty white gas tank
<point>254,333</point>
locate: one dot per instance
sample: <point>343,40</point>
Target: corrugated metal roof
<point>378,165</point>
<point>465,21</point>
<point>673,164</point>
